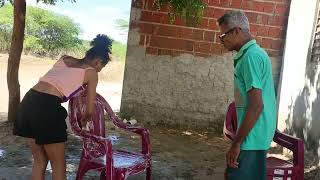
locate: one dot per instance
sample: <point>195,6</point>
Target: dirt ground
<point>176,154</point>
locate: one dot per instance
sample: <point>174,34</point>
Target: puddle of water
<point>2,152</point>
<point>49,168</point>
<point>114,139</point>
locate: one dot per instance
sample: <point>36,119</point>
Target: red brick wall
<point>268,20</point>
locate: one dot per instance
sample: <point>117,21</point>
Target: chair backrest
<point>95,125</point>
<point>230,123</point>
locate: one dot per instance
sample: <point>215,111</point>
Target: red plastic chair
<point>97,153</point>
<point>230,123</point>
<point>276,168</point>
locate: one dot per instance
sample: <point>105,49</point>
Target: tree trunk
<point>14,57</point>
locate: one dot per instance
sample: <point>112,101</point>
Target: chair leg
<point>301,176</point>
<point>103,175</point>
<point>82,169</point>
<point>80,174</point>
<point>148,173</point>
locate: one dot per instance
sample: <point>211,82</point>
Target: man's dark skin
<point>233,40</point>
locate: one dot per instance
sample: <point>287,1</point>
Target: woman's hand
<point>84,120</point>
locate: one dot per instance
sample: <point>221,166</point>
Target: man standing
<point>254,98</point>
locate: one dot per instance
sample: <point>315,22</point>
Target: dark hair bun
<point>102,41</point>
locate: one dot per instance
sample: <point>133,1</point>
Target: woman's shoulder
<point>90,75</point>
<point>74,62</point>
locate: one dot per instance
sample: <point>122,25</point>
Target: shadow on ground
<point>177,154</point>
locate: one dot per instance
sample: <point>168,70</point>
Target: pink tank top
<point>66,79</point>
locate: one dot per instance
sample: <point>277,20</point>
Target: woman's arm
<point>92,81</point>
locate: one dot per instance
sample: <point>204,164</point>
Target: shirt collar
<point>244,48</point>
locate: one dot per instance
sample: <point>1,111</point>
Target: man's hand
<point>232,155</point>
<point>251,116</point>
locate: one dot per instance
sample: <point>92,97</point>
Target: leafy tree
<point>119,50</point>
<point>54,32</point>
<point>14,56</point>
<point>6,25</point>
<point>122,25</point>
<point>46,33</point>
<point>31,44</point>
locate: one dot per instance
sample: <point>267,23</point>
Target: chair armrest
<point>144,133</point>
<point>294,144</point>
<point>286,140</point>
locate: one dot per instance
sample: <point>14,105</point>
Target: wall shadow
<point>303,119</point>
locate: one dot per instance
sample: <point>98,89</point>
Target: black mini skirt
<point>40,116</point>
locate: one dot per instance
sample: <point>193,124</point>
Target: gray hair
<point>234,19</point>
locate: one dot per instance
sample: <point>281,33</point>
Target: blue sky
<point>93,16</point>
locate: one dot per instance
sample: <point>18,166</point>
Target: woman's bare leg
<point>40,160</point>
<point>56,155</point>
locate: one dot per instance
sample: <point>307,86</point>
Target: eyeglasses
<point>222,36</point>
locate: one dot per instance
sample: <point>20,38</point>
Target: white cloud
<point>106,9</point>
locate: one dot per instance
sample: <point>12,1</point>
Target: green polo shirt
<point>253,70</point>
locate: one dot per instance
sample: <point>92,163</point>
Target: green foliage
<point>78,50</point>
<point>122,24</point>
<point>52,2</point>
<point>55,32</point>
<point>6,24</point>
<point>46,33</point>
<point>31,44</point>
<point>119,50</point>
<point>189,10</point>
<point>51,34</point>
